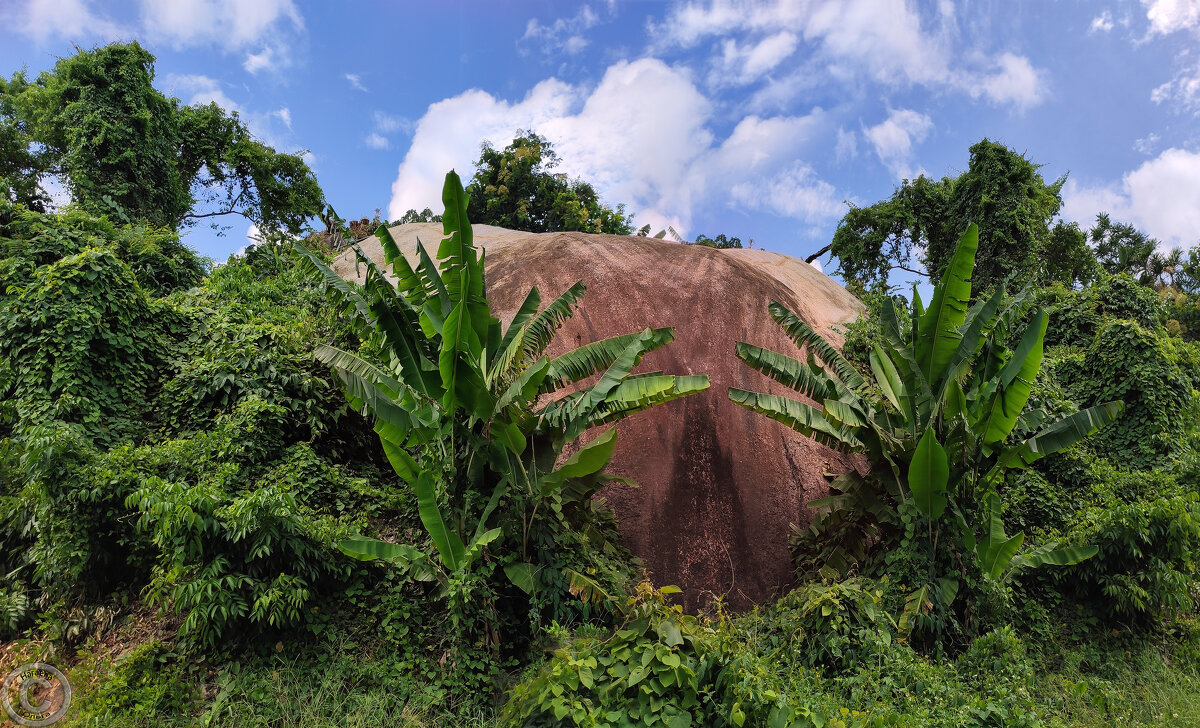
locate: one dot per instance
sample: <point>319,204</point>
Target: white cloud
<point>195,89</point>
<point>1147,144</point>
<point>355,81</point>
<point>746,64</point>
<point>1183,90</point>
<point>1013,81</point>
<point>44,19</point>
<point>1161,197</point>
<point>388,124</point>
<point>264,61</point>
<point>894,138</point>
<point>847,145</point>
<point>640,136</point>
<point>285,115</point>
<point>1168,16</point>
<point>1102,23</point>
<point>565,35</point>
<point>269,26</point>
<point>885,41</point>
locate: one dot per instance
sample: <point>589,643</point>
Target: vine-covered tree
<point>917,228</point>
<point>516,188</point>
<point>124,149</point>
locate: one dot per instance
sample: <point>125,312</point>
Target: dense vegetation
<point>260,495</point>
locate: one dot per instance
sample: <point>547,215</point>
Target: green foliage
<point>455,401</point>
<point>145,686</point>
<point>1129,362</point>
<point>1001,192</point>
<point>955,380</point>
<point>515,188</point>
<point>127,151</point>
<point>719,242</point>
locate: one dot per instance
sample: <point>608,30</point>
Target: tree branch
<point>818,254</point>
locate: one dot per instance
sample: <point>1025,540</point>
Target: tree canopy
<point>919,225</point>
<point>124,149</point>
<point>516,188</point>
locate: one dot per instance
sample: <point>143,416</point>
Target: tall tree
<point>1122,248</point>
<point>1001,191</point>
<point>124,149</point>
<point>516,188</point>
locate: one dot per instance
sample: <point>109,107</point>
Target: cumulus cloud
<point>44,19</point>
<point>894,138</point>
<point>1168,16</point>
<point>640,136</point>
<point>1161,197</point>
<point>885,41</point>
<point>264,29</point>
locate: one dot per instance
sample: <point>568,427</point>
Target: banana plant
<point>941,420</point>
<point>470,413</point>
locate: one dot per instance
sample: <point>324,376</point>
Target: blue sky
<point>760,120</point>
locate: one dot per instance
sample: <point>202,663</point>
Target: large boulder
<point>720,487</point>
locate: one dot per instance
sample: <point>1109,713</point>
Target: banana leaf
<point>928,476</point>
<point>786,370</point>
<point>1016,382</point>
<point>803,335</point>
<point>801,417</point>
<point>938,333</point>
<point>543,326</point>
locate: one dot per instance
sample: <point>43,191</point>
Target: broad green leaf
<point>997,558</point>
<point>928,475</point>
<point>590,459</point>
<point>1051,554</point>
<point>583,362</point>
<point>786,370</point>
<point>669,632</point>
<point>889,381</point>
<point>448,543</point>
<point>938,333</point>
<point>524,388</point>
<point>528,308</point>
<point>803,336</point>
<point>477,545</point>
<point>916,604</point>
<point>521,575</point>
<point>801,417</point>
<point>1057,435</point>
<point>543,326</point>
<point>411,560</point>
<point>369,549</point>
<point>1016,382</point>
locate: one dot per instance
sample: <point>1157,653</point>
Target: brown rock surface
<point>720,485</point>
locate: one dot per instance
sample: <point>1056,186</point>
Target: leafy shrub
<point>236,545</point>
<point>83,344</point>
<point>145,686</point>
<point>1134,364</point>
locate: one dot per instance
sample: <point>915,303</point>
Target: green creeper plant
<point>942,420</point>
<point>460,405</point>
